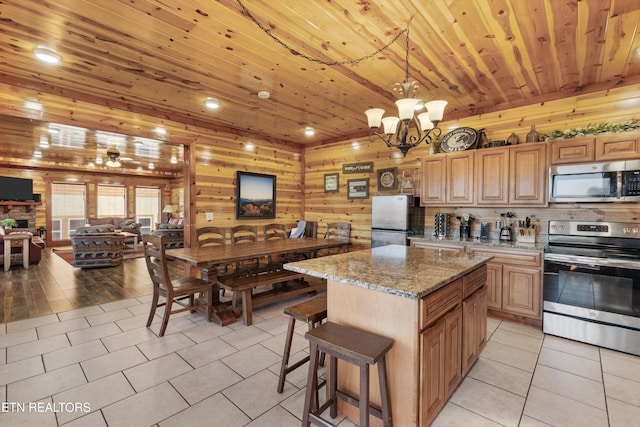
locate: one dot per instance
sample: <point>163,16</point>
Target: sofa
<point>128,225</point>
<point>36,244</point>
<point>97,246</point>
<point>173,234</point>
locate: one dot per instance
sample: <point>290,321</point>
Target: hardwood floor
<point>54,286</point>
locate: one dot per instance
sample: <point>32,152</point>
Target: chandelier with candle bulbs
<point>407,130</point>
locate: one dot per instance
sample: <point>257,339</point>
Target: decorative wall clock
<point>459,139</point>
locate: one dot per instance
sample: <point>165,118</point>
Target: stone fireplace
<point>25,215</point>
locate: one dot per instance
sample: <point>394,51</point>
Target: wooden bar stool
<point>312,311</point>
<point>359,348</point>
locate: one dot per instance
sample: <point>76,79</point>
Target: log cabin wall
<point>219,155</point>
<point>610,106</point>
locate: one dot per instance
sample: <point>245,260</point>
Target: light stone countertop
<point>538,246</point>
<point>405,271</point>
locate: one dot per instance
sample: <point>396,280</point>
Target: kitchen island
<point>431,302</point>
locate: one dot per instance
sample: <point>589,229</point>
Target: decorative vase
<point>513,139</point>
<point>533,135</point>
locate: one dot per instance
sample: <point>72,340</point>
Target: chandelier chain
<point>293,51</point>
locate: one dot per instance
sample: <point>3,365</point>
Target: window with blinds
<point>68,208</point>
<point>112,200</point>
<point>147,208</point>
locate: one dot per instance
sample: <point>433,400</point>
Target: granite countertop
<point>538,246</point>
<point>405,271</point>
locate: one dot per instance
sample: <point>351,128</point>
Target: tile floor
<point>100,366</point>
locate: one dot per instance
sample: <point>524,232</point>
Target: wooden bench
<point>243,287</point>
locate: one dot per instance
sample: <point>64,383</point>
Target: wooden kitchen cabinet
<point>572,151</point>
<point>514,175</point>
<point>492,176</point>
<point>460,177</point>
<point>447,179</point>
<point>494,286</point>
<point>514,281</point>
<point>617,147</point>
<point>528,174</point>
<point>521,290</point>
<point>433,180</point>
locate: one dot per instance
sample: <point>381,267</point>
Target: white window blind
<point>112,200</point>
<point>68,201</point>
<point>148,207</point>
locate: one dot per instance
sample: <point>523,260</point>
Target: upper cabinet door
<point>460,178</point>
<point>573,151</point>
<point>492,177</point>
<point>433,181</point>
<point>617,147</point>
<point>528,174</point>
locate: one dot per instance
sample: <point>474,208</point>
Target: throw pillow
<point>128,224</point>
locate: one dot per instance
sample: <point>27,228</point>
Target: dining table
<point>207,257</point>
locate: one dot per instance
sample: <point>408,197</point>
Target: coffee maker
<point>506,234</point>
<point>441,225</point>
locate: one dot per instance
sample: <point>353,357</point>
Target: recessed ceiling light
<point>160,130</point>
<point>263,94</point>
<point>309,131</point>
<point>355,145</point>
<point>249,146</point>
<point>47,55</point>
<point>32,105</point>
<point>212,103</point>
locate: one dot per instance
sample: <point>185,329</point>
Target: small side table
<point>25,237</point>
<point>128,237</point>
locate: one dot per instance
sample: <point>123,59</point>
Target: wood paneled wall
<point>611,106</point>
<point>218,156</point>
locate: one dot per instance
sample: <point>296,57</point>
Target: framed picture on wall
<point>331,182</point>
<point>255,195</point>
<point>358,188</point>
<point>388,179</point>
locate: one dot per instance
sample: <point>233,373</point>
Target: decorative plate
<point>459,139</point>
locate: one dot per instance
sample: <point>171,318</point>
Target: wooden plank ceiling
<point>164,58</point>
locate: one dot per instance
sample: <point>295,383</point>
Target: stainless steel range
<point>591,286</point>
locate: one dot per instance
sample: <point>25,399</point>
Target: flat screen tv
<point>16,189</point>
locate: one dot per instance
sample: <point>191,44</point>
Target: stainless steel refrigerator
<point>394,218</point>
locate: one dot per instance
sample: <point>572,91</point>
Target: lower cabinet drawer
<point>437,303</point>
<point>474,280</point>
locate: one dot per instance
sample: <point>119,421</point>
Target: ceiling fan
<point>113,154</point>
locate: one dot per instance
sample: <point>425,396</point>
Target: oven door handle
<point>591,262</point>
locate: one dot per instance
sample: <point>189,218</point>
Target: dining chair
<point>340,231</point>
<point>241,234</point>
<point>217,236</point>
<point>275,232</point>
<point>173,291</point>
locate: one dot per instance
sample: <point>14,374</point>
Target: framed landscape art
<point>255,195</point>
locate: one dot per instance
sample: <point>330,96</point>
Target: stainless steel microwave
<point>595,182</point>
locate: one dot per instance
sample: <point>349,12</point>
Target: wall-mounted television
<point>16,189</point>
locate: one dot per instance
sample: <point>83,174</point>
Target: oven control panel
<point>593,228</point>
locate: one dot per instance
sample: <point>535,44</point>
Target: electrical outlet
<point>208,216</point>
